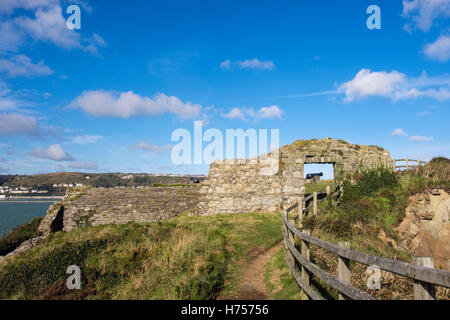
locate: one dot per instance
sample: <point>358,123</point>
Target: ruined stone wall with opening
<point>273,182</point>
<point>345,157</point>
<point>241,185</point>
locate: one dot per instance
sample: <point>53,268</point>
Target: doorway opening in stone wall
<point>317,177</point>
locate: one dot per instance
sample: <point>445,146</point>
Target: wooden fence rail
<point>333,192</point>
<point>409,163</point>
<point>421,271</point>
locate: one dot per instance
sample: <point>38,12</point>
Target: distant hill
<point>106,180</point>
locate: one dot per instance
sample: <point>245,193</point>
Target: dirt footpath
<point>252,286</point>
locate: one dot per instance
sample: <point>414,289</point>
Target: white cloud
<point>8,6</point>
<point>439,50</point>
<point>21,65</point>
<point>367,83</point>
<point>234,113</point>
<point>86,139</point>
<point>264,113</point>
<point>272,112</point>
<point>424,113</point>
<point>394,85</point>
<point>441,94</point>
<point>53,152</point>
<point>128,104</point>
<point>421,138</point>
<point>424,12</point>
<point>13,124</point>
<point>49,25</point>
<point>90,165</point>
<point>93,43</point>
<point>8,102</point>
<point>248,64</point>
<point>151,147</point>
<point>44,23</point>
<point>398,132</point>
<point>4,170</point>
<point>226,64</point>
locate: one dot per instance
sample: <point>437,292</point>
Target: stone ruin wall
<point>84,206</point>
<point>346,158</point>
<point>241,185</point>
<point>238,186</point>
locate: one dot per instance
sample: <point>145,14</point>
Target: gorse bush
<point>435,174</point>
<point>366,182</point>
<point>12,240</point>
<point>438,170</point>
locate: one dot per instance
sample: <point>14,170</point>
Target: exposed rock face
<point>274,181</point>
<point>98,206</point>
<point>425,230</point>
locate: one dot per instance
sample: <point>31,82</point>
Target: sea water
<point>13,213</point>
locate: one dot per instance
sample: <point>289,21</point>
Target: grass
<point>188,257</point>
<point>17,235</point>
<point>279,281</point>
<point>318,186</point>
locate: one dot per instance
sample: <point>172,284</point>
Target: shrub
<point>12,241</point>
<point>438,169</point>
<point>367,182</point>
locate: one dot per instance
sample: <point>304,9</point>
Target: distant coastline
<point>35,197</point>
<point>25,199</point>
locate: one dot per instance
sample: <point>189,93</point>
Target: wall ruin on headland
<point>273,181</point>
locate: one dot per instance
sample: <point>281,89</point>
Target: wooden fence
<point>310,204</point>
<point>408,164</point>
<point>421,271</point>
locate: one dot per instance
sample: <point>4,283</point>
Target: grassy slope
<point>183,258</point>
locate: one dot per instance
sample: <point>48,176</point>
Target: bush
<point>367,182</point>
<point>12,241</point>
<point>438,170</point>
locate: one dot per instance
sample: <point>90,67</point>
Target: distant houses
<point>127,176</point>
<point>67,185</point>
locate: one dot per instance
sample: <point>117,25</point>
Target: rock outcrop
<point>425,230</point>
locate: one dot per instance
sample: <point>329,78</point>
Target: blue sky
<point>108,96</point>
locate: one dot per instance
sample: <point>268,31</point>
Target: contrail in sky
<point>290,96</point>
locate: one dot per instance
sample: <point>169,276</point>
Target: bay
<point>14,213</point>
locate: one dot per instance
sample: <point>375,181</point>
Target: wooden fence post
<point>300,213</point>
<point>423,290</point>
<point>406,161</point>
<point>314,203</point>
<point>305,254</point>
<point>289,238</point>
<point>344,267</point>
<point>328,190</point>
<point>418,166</point>
<point>292,240</point>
